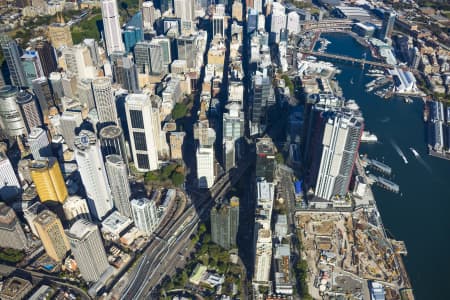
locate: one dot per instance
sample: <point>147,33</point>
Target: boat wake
<point>399,151</point>
<point>385,120</point>
<point>424,164</point>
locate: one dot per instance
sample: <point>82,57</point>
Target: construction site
<point>348,253</point>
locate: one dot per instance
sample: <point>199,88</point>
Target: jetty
<point>377,165</point>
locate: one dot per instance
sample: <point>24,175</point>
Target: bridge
<point>348,59</point>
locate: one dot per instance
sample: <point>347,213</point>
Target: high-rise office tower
<point>47,57</point>
<point>278,21</point>
<point>88,250</point>
<point>85,93</point>
<point>125,73</point>
<point>131,35</point>
<point>176,140</point>
<point>261,85</point>
<point>233,122</point>
<point>165,5</point>
<point>29,110</point>
<point>55,80</point>
<point>225,223</point>
<point>59,35</point>
<point>31,65</point>
<point>105,100</point>
<point>150,56</point>
<point>148,15</point>
<point>237,10</point>
<point>166,50</point>
<point>388,24</point>
<point>156,59</point>
<point>138,108</point>
<point>111,26</point>
<point>256,4</point>
<point>52,235</point>
<point>41,89</point>
<point>186,49</point>
<point>184,9</point>
<point>144,215</point>
<point>93,175</point>
<point>93,50</point>
<point>229,154</point>
<point>340,143</point>
<point>205,166</point>
<point>11,232</point>
<point>120,187</point>
<point>76,208</point>
<point>39,145</point>
<point>218,25</point>
<point>265,158</point>
<point>12,54</point>
<point>70,120</point>
<point>112,141</point>
<point>69,86</point>
<point>10,116</point>
<point>142,57</point>
<point>49,181</point>
<point>78,61</point>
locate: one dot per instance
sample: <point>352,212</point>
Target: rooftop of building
<point>45,217</point>
<point>110,132</point>
<point>7,215</point>
<point>84,139</point>
<point>81,228</point>
<point>115,223</point>
<point>14,286</point>
<point>265,146</point>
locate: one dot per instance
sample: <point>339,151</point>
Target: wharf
<point>382,167</point>
<point>384,183</point>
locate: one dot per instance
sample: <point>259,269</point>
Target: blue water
<point>420,214</point>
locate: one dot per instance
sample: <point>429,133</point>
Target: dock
<point>384,183</point>
<point>375,164</point>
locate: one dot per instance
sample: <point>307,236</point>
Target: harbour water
<point>419,214</point>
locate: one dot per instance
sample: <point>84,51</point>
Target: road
<point>162,255</point>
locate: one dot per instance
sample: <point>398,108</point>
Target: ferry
<point>368,137</point>
<point>416,154</point>
<point>408,100</point>
<point>404,159</point>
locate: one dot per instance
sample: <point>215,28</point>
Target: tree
<point>279,158</point>
<point>179,111</point>
<point>177,179</point>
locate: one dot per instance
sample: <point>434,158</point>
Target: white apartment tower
<point>118,178</point>
<point>87,248</point>
<point>111,26</point>
<point>93,175</point>
<point>184,9</point>
<point>144,215</point>
<point>138,108</point>
<point>148,15</point>
<point>105,100</point>
<point>39,144</point>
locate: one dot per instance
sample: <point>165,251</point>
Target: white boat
<point>404,159</point>
<point>416,154</point>
<point>368,137</point>
<point>408,100</point>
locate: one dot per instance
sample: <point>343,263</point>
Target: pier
<point>384,183</point>
<point>348,59</point>
<point>375,164</point>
